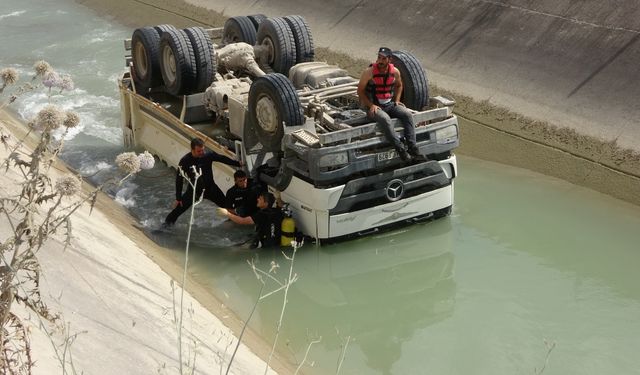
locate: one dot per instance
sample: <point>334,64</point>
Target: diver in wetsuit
<point>268,221</point>
<point>241,197</point>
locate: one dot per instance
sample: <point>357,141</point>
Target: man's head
<point>197,147</point>
<point>384,55</point>
<point>265,199</point>
<point>240,179</point>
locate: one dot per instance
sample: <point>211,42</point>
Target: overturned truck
<point>253,92</point>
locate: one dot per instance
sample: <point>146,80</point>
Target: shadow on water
<point>224,238</point>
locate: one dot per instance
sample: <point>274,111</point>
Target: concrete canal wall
<point>551,86</point>
<point>571,63</point>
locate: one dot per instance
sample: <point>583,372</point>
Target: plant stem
<point>244,327</point>
<point>284,306</point>
<point>184,271</point>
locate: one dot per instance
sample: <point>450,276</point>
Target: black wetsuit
<point>268,223</point>
<point>205,182</point>
<point>243,201</point>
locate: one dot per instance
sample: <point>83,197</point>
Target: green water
<point>523,258</point>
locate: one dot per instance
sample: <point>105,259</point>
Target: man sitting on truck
<point>197,160</point>
<point>241,197</point>
<point>268,221</point>
<point>379,91</point>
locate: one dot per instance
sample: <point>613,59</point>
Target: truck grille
<point>396,185</point>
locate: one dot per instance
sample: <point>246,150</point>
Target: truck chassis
<point>256,95</point>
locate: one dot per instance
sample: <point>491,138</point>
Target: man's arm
<point>179,181</point>
<point>397,92</point>
<point>223,159</point>
<point>240,220</point>
<point>362,91</point>
<point>230,199</point>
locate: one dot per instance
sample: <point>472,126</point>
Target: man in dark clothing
<point>241,197</point>
<point>201,160</point>
<point>268,220</point>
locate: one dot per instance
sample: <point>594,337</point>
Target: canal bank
<point>113,289</point>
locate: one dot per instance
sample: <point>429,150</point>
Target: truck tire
<point>256,20</point>
<point>303,39</point>
<point>205,57</point>
<point>239,29</point>
<point>145,47</point>
<point>415,94</point>
<point>164,27</point>
<point>276,35</point>
<point>177,62</point>
<point>273,101</point>
<point>276,177</point>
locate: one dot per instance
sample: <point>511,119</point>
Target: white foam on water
<point>98,113</point>
<point>124,196</point>
<point>67,133</point>
<point>114,79</point>
<point>12,14</point>
<point>91,169</point>
<point>101,35</point>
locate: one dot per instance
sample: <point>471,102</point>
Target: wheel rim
<point>271,55</point>
<point>141,60</point>
<point>169,63</point>
<point>267,114</point>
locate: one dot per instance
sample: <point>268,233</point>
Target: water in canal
<point>524,258</point>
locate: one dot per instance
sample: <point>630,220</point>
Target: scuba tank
<point>288,227</point>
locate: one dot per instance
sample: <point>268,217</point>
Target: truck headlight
<point>447,135</point>
<point>332,160</point>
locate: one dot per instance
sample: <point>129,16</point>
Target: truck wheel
<point>164,27</point>
<point>277,177</point>
<point>145,46</point>
<point>177,62</point>
<point>275,34</point>
<point>205,57</point>
<point>303,39</point>
<point>415,94</point>
<point>256,19</point>
<point>273,101</point>
<point>239,29</point>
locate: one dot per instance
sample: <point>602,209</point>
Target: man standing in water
<point>379,91</point>
<point>197,160</point>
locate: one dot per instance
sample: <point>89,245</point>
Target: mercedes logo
<point>395,190</point>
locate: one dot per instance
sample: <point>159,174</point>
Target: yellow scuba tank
<point>288,227</point>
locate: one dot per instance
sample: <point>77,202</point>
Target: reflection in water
<point>376,290</point>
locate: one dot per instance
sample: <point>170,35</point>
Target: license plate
<point>387,155</point>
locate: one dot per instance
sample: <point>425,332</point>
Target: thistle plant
<point>9,76</point>
<point>48,77</point>
<point>40,210</point>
